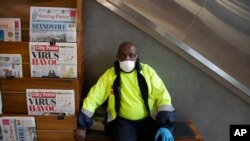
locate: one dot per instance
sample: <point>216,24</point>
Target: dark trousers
<point>127,130</point>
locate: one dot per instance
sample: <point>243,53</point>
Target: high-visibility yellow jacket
<point>132,105</point>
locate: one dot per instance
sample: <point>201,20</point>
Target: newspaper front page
<point>18,128</point>
<point>10,29</point>
<point>59,60</point>
<point>52,23</point>
<point>1,131</point>
<point>11,66</point>
<point>1,105</point>
<point>50,101</point>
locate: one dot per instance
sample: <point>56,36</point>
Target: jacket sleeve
<point>83,121</point>
<point>165,114</point>
<point>96,97</point>
<point>166,119</point>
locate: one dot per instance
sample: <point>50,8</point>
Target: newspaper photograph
<point>50,102</point>
<point>11,66</point>
<point>53,61</point>
<point>52,23</point>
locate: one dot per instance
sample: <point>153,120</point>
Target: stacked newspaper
<point>11,65</point>
<point>59,60</point>
<point>51,23</point>
<point>10,29</point>
<point>18,129</point>
<point>50,102</point>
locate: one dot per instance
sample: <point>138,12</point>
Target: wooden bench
<point>184,131</point>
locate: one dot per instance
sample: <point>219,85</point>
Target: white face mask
<point>127,66</point>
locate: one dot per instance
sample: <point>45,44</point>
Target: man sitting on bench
<point>139,106</point>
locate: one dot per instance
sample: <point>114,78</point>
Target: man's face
<point>126,52</point>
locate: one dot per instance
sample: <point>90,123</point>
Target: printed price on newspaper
<point>10,29</point>
<point>18,128</point>
<point>48,23</point>
<point>50,102</point>
<point>59,60</point>
<point>11,66</point>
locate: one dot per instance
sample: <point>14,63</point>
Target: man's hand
<point>80,135</point>
<point>165,135</point>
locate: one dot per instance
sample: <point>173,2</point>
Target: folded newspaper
<point>1,105</point>
<point>50,102</point>
<point>11,66</point>
<point>18,129</point>
<point>52,23</point>
<point>59,60</point>
<point>10,29</point>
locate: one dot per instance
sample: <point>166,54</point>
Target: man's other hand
<point>165,135</point>
<point>80,135</point>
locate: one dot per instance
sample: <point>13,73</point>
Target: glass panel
<point>221,34</point>
<point>215,33</point>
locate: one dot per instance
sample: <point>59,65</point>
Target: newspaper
<point>18,128</point>
<point>11,66</point>
<point>1,105</point>
<point>10,29</point>
<point>47,23</point>
<point>59,60</point>
<point>1,132</point>
<point>50,101</point>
